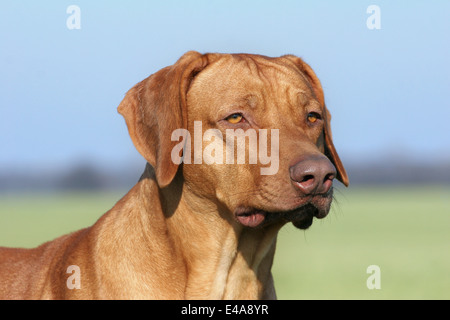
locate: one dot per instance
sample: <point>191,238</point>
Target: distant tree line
<point>89,177</point>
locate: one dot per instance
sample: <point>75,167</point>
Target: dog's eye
<point>235,118</point>
<point>313,117</point>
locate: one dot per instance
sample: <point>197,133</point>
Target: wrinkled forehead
<point>234,77</point>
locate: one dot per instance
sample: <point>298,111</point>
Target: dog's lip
<point>250,217</point>
<point>301,216</point>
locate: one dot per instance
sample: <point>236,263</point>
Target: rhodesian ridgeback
<point>203,219</point>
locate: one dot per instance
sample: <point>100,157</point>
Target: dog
<point>200,223</point>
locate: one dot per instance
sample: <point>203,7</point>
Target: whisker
<point>337,201</point>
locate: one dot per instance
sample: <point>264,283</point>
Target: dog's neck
<point>222,259</point>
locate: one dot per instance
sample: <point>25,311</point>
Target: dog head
<point>252,133</point>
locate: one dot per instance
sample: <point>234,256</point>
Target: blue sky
<point>388,89</point>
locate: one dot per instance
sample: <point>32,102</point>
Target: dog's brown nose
<point>313,175</point>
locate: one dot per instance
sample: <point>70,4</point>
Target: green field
<point>404,231</point>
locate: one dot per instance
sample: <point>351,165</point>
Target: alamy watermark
<point>213,152</point>
<point>74,20</point>
<point>74,280</point>
<point>374,20</point>
<point>374,280</point>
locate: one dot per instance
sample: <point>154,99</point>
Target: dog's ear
<point>155,107</point>
<point>330,150</point>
